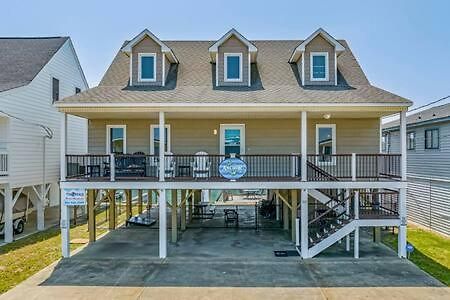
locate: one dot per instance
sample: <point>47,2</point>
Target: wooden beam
<point>128,204</point>
<point>149,199</point>
<point>286,207</point>
<point>91,216</point>
<point>174,201</point>
<point>285,200</point>
<point>294,200</point>
<point>140,201</point>
<point>112,209</point>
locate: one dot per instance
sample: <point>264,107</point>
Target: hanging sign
<point>74,197</point>
<point>232,168</point>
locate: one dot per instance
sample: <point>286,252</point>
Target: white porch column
<point>403,221</point>
<point>40,212</point>
<point>162,224</point>
<point>403,144</point>
<point>304,132</point>
<point>347,211</point>
<point>356,211</point>
<point>8,215</point>
<point>304,223</point>
<point>162,146</point>
<point>402,193</point>
<point>277,203</point>
<point>65,210</point>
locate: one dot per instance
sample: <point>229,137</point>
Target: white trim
<point>225,104</point>
<point>163,71</point>
<point>223,127</point>
<point>215,47</point>
<point>233,185</point>
<point>152,137</point>
<point>303,69</point>
<point>131,69</point>
<point>140,55</point>
<point>225,70</point>
<point>108,138</point>
<point>217,69</point>
<point>311,71</point>
<point>249,70</point>
<point>164,48</point>
<point>335,68</point>
<point>301,48</point>
<point>333,136</point>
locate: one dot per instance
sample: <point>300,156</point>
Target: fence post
<point>353,166</point>
<point>112,167</point>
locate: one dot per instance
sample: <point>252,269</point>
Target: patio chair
<point>201,165</point>
<point>169,168</point>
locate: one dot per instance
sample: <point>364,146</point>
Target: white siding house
<point>27,103</point>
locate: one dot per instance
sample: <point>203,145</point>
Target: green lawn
<point>27,256</point>
<point>431,252</point>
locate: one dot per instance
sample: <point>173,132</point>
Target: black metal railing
<point>331,167</point>
<point>87,166</point>
<point>377,166</point>
<point>379,204</point>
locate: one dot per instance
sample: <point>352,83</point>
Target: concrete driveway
<point>226,264</point>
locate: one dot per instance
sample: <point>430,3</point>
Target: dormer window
<point>147,67</point>
<point>319,65</point>
<point>233,67</point>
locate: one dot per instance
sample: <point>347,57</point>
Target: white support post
<point>162,146</point>
<point>402,238</point>
<point>8,215</point>
<point>297,232</point>
<point>304,224</point>
<point>353,166</point>
<point>162,224</point>
<point>356,211</point>
<point>347,211</point>
<point>65,227</point>
<point>403,144</point>
<point>112,168</point>
<point>304,133</point>
<point>63,147</point>
<point>40,212</point>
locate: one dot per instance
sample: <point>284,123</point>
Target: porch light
<point>215,131</point>
<point>326,116</point>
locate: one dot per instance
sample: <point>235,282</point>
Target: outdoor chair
<point>231,217</point>
<point>169,168</point>
<point>201,165</point>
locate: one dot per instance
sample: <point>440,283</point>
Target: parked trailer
<point>21,210</point>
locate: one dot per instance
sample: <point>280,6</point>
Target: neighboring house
<point>34,74</point>
<point>428,144</point>
<point>295,117</point>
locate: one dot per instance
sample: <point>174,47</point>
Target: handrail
<point>330,209</point>
<point>321,171</point>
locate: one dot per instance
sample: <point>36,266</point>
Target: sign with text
<point>74,197</point>
<point>232,168</point>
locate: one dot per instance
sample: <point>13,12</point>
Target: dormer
<point>316,58</point>
<point>233,56</point>
<point>150,60</point>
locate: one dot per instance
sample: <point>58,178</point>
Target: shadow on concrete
<point>230,258</point>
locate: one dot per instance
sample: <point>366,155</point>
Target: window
<point>77,90</point>
<point>432,138</point>
<point>147,66</point>
<point>233,66</point>
<point>116,139</point>
<point>55,89</point>
<point>155,144</point>
<point>411,140</point>
<point>325,141</point>
<point>319,66</point>
<point>232,139</point>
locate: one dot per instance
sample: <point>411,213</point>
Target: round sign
<point>232,168</point>
<point>409,248</point>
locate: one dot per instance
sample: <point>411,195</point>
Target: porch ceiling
<point>230,112</point>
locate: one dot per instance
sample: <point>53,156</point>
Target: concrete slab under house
<point>275,141</point>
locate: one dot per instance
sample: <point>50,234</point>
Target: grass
<point>27,256</point>
<point>431,252</point>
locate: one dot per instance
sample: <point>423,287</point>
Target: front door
<point>232,139</point>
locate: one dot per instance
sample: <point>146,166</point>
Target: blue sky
<point>403,46</point>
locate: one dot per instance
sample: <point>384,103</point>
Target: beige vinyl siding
<point>147,45</point>
<point>263,136</point>
<point>319,44</point>
<point>233,45</point>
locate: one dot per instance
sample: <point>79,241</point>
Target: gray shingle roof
<point>21,59</point>
<point>274,80</point>
<point>431,114</point>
